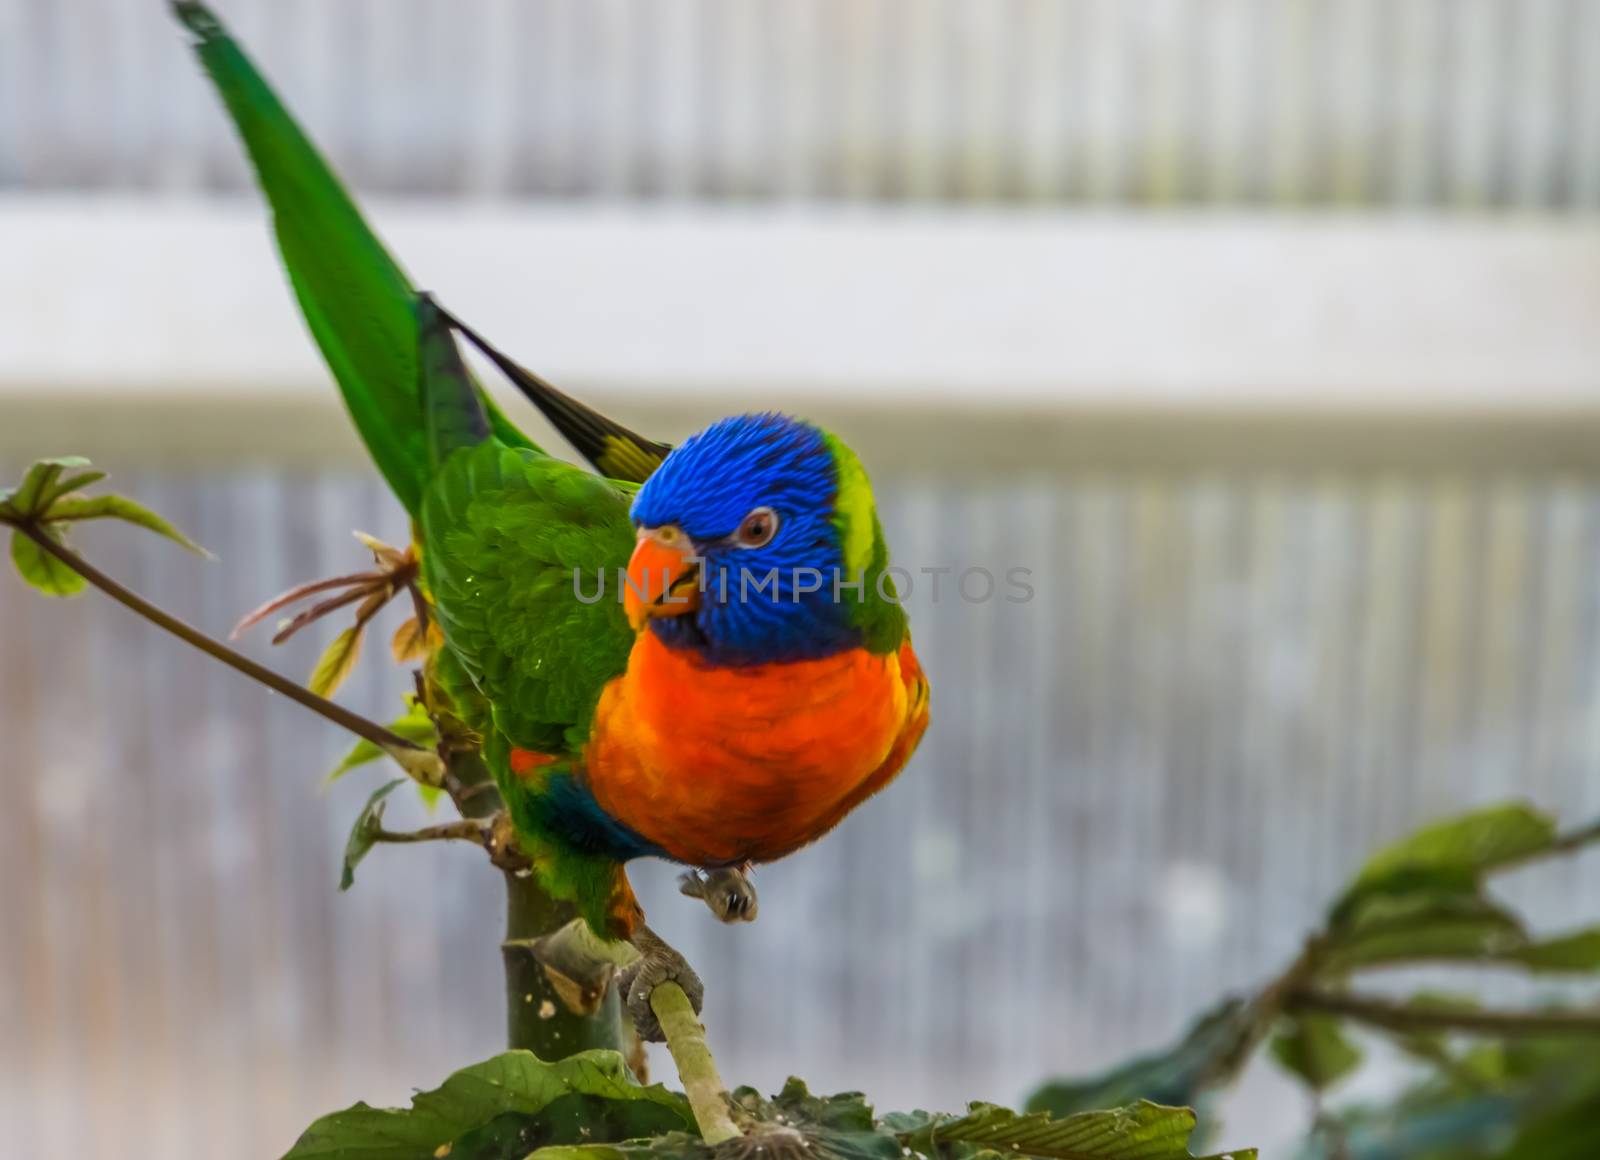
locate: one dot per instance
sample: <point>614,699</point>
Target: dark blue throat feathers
<point>778,601</point>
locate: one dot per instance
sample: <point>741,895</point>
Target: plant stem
<point>421,763</point>
<point>540,1017</point>
<point>466,830</point>
<point>697,1068</point>
<point>1393,1016</point>
<point>685,1036</point>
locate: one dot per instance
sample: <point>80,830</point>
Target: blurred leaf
<point>1527,1100</point>
<point>71,483</point>
<point>1424,927</point>
<point>1569,1132</point>
<point>415,726</point>
<point>116,507</point>
<point>364,834</point>
<point>1579,951</point>
<point>411,641</point>
<point>42,570</point>
<point>502,1108</point>
<point>1450,856</point>
<point>1177,1075</point>
<point>1314,1048</point>
<point>257,615</point>
<point>336,662</point>
<point>1455,928</point>
<point>1142,1131</point>
<point>287,627</point>
<point>386,555</point>
<point>38,486</point>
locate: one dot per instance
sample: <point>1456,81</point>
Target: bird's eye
<point>757,528</point>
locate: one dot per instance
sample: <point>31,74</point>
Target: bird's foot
<point>657,963</point>
<point>727,891</point>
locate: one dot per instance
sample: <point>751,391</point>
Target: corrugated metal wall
<point>1139,790</point>
<point>1403,103</point>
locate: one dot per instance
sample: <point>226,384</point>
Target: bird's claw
<point>727,891</point>
<point>657,963</point>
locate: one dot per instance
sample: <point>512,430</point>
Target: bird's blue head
<point>759,542</point>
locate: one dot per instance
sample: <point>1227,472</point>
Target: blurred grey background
<point>1266,333</point>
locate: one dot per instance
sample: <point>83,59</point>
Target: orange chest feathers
<point>723,765</point>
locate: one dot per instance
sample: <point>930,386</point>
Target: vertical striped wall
<point>1139,790</point>
<point>1401,103</point>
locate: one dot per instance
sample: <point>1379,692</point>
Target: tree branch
<point>422,764</point>
<point>1406,1018</point>
<point>697,1067</point>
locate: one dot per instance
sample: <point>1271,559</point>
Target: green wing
<point>356,299</point>
<point>510,538</point>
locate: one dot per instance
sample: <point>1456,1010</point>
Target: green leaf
<point>575,1116</point>
<point>1314,1048</point>
<point>72,483</point>
<point>838,1127</point>
<point>1141,1131</point>
<point>794,1123</point>
<point>42,570</point>
<point>1518,1100</point>
<point>116,507</point>
<point>1452,855</point>
<point>1453,928</point>
<point>336,662</point>
<point>504,1108</point>
<point>1423,927</point>
<point>364,834</point>
<point>1579,951</point>
<point>1179,1074</point>
<point>38,486</point>
<point>415,726</point>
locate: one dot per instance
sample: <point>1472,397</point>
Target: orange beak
<point>663,577</point>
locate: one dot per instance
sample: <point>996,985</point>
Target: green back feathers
<point>357,301</point>
<point>881,621</point>
<point>504,531</point>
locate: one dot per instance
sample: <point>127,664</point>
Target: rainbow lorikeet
<point>755,681</point>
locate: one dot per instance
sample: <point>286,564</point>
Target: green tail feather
<point>452,409</point>
<point>615,451</point>
<point>356,299</point>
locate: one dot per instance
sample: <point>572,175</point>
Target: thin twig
<point>1575,840</point>
<point>1404,1017</point>
<point>422,764</point>
<point>465,830</point>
